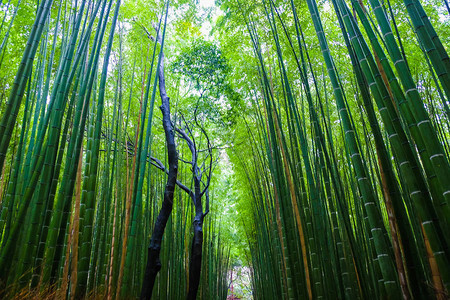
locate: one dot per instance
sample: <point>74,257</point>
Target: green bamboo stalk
<point>368,197</point>
<point>435,154</point>
<point>12,107</point>
<point>88,195</point>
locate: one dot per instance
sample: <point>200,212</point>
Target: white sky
<point>207,26</point>
<point>206,3</point>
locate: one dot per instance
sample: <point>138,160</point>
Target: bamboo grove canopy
<point>148,149</point>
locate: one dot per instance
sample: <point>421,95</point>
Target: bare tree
<point>201,177</point>
<point>200,189</point>
<point>153,262</point>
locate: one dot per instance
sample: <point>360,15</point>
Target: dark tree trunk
<point>153,261</point>
<point>195,264</point>
<point>196,258</point>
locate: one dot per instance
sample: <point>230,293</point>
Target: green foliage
<point>204,65</point>
<point>204,73</point>
<point>300,157</point>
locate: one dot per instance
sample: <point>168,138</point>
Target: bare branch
<point>210,155</point>
<point>185,161</point>
<point>158,164</point>
<point>190,144</point>
<point>149,35</point>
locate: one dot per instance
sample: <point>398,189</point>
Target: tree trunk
<point>196,257</point>
<point>195,264</point>
<point>153,261</point>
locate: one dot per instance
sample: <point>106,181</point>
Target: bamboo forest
<point>225,149</point>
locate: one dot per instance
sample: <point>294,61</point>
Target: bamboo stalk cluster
<point>347,209</point>
<point>78,199</point>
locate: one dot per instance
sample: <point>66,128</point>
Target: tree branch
<point>159,165</point>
